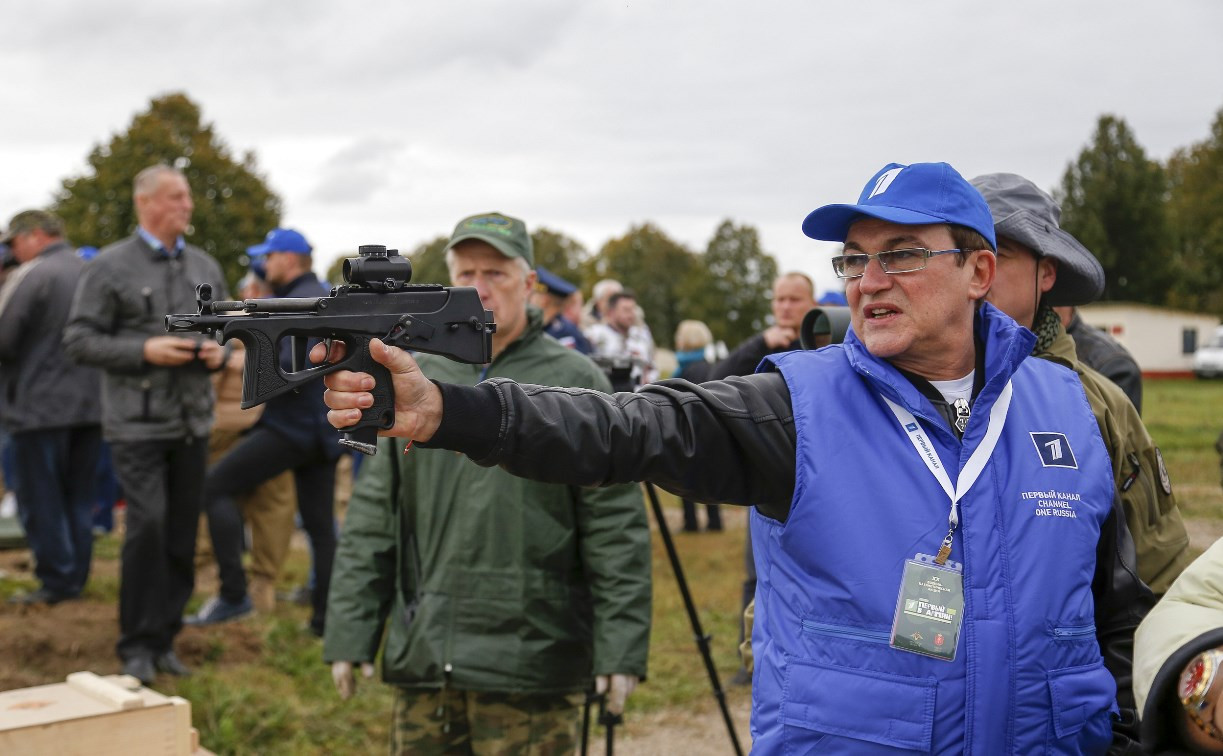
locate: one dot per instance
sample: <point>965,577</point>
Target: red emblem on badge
<point>938,639</point>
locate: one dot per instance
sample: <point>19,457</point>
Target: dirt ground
<point>43,644</point>
<point>39,645</point>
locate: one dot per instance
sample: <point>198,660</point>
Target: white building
<point>1162,340</point>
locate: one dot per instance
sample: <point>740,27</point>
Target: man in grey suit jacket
<point>156,408</point>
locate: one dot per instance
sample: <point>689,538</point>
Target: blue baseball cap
<point>908,195</point>
<point>281,240</point>
<point>552,283</point>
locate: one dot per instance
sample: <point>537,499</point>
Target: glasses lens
<point>903,260</point>
<point>849,266</point>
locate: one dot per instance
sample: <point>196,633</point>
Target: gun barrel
<point>285,304</point>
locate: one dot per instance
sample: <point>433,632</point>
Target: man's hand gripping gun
<point>376,300</point>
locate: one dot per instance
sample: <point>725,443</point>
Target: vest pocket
<point>867,706</point>
<point>1083,695</point>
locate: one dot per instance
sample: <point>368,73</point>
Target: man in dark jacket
<point>50,405</point>
<point>156,408</point>
<point>793,297</point>
<point>502,598</point>
<point>291,434</point>
<point>1104,354</point>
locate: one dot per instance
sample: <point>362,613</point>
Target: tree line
<point>1155,227</point>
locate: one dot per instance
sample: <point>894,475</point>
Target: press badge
<point>929,609</point>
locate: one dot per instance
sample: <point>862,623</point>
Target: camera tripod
<point>702,639</point>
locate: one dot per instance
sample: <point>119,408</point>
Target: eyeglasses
<point>892,261</point>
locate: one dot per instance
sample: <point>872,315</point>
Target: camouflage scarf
<point>1047,324</point>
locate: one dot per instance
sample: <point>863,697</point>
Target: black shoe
<point>141,668</point>
<point>741,678</point>
<point>217,610</point>
<point>40,596</point>
<point>300,595</point>
<point>171,665</point>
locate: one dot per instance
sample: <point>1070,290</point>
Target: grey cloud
<point>358,172</point>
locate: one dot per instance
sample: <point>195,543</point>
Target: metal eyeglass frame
<point>838,262</point>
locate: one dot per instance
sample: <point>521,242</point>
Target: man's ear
<point>1046,274</point>
<point>984,265</point>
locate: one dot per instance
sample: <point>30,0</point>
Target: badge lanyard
<point>976,463</point>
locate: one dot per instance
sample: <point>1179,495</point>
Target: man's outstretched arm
<point>731,441</point>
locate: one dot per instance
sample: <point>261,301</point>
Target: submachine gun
<point>376,300</point>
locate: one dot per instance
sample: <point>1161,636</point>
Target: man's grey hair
<point>146,181</point>
<point>526,266</point>
<point>605,288</point>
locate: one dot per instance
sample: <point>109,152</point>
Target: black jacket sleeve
<point>730,441</point>
<point>1121,601</point>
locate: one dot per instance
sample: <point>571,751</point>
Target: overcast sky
<point>387,126</point>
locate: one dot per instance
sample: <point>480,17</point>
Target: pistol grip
<point>261,377</point>
<point>363,435</point>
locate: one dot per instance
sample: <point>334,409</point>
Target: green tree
<point>1195,199</point>
<point>1112,200</point>
<point>558,253</point>
<point>659,270</point>
<point>733,298</point>
<point>234,208</point>
<point>429,262</point>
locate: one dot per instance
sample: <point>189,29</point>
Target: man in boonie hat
<point>1039,266</point>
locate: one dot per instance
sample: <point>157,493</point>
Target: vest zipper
<point>846,631</point>
<point>1074,631</point>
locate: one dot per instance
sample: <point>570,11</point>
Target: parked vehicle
<point>1208,359</point>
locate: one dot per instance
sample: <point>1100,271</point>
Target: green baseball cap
<point>29,220</point>
<point>507,235</point>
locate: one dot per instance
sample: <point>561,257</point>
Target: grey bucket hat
<point>1026,214</point>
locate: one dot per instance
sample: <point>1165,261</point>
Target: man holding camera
<point>867,639</point>
<point>156,408</point>
<point>504,597</point>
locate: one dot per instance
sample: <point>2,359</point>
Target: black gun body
<point>447,321</point>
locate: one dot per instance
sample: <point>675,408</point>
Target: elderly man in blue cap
<point>291,434</point>
<point>939,555</point>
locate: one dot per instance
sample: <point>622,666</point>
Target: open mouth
<point>874,313</point>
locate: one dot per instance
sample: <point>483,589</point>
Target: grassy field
<point>261,687</point>
<point>1185,417</point>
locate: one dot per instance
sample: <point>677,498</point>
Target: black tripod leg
<point>590,697</point>
<point>702,640</point>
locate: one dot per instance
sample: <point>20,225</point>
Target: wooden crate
<point>97,716</point>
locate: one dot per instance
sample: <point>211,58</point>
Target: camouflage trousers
<point>469,722</point>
